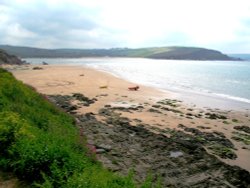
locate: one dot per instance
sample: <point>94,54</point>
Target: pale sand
<point>72,79</point>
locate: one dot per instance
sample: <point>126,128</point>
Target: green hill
<point>190,53</point>
<point>185,53</point>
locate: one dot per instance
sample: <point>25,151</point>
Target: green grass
<point>40,144</point>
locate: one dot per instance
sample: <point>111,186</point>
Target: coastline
<point>212,101</point>
<point>65,80</point>
<point>189,92</point>
<point>192,97</point>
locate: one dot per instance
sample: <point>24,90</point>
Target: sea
<point>209,84</point>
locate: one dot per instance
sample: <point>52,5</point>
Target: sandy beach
<point>158,110</point>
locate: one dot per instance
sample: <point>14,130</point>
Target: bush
<point>48,155</point>
<point>100,178</point>
<point>12,128</point>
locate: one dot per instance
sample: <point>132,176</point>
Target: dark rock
<point>134,108</point>
<point>140,107</point>
<point>122,146</point>
<point>220,134</point>
<point>189,144</point>
<point>241,137</point>
<point>203,127</point>
<point>237,176</point>
<point>37,68</point>
<point>105,112</point>
<point>90,114</point>
<point>215,116</point>
<point>215,137</point>
<point>181,126</point>
<point>156,106</point>
<point>86,117</point>
<point>193,130</point>
<point>154,110</point>
<point>222,151</point>
<point>114,120</point>
<point>63,101</point>
<point>137,120</point>
<point>243,128</point>
<point>235,120</point>
<point>121,108</point>
<point>171,110</point>
<point>6,58</point>
<point>86,101</point>
<point>198,115</point>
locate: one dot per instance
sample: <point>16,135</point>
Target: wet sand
<point>160,109</point>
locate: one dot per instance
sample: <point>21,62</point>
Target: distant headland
<point>174,52</point>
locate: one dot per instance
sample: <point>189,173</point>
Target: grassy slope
<point>114,52</point>
<point>40,144</point>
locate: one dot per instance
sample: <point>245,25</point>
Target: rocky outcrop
<point>9,59</point>
<point>169,155</point>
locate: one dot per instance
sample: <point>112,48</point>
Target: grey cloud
<point>42,19</point>
<point>53,24</point>
<point>67,25</point>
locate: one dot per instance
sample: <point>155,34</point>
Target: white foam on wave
<point>233,98</point>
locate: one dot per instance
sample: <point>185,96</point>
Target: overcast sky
<point>219,24</point>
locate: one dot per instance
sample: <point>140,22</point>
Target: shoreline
<point>192,97</point>
<point>211,101</point>
<point>195,98</point>
<point>65,80</point>
<point>189,96</point>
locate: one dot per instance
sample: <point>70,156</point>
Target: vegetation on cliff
<point>41,145</point>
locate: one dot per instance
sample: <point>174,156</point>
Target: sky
<point>217,24</point>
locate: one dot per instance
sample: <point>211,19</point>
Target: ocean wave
<point>237,82</point>
<point>221,95</point>
<point>240,99</point>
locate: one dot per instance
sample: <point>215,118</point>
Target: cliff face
<point>9,59</point>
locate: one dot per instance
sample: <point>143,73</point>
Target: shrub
<point>12,128</point>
